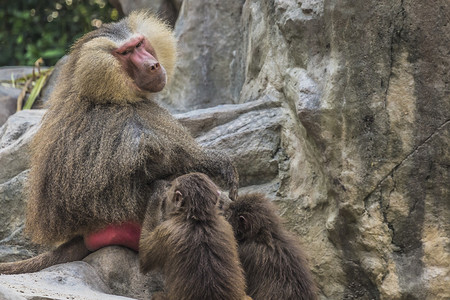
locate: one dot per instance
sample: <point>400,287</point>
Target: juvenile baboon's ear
<point>243,222</point>
<point>178,199</point>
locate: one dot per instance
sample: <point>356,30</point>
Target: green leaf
<point>19,39</point>
<point>53,53</point>
<point>36,91</point>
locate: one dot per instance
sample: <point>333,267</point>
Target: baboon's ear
<point>243,222</point>
<point>178,198</point>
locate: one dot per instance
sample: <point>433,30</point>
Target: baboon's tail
<point>70,251</point>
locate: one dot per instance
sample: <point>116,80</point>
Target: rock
<point>76,280</point>
<point>166,9</point>
<point>15,136</point>
<point>51,82</point>
<point>253,137</point>
<point>109,271</point>
<point>205,77</point>
<point>415,204</point>
<point>8,102</point>
<point>8,294</point>
<point>13,245</point>
<point>246,132</point>
<point>359,81</point>
<point>15,72</point>
<point>201,121</point>
<point>118,267</point>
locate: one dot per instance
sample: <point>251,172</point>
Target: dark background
<point>30,29</point>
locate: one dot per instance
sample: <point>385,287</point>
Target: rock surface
<point>167,10</point>
<point>15,72</point>
<point>76,280</point>
<point>208,38</point>
<point>15,136</point>
<point>8,102</point>
<point>340,111</point>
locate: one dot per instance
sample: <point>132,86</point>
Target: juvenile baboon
<point>157,205</point>
<point>194,247</point>
<point>104,140</point>
<point>274,265</point>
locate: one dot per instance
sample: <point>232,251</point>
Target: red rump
<point>125,234</point>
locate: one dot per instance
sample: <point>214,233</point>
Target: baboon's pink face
<point>139,60</point>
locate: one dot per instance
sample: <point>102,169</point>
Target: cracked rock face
<point>339,111</point>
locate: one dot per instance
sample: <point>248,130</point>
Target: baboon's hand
<point>227,174</point>
<point>223,204</point>
<point>220,167</point>
<point>233,193</point>
<point>230,176</point>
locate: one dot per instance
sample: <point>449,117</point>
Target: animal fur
<point>102,143</point>
<point>273,262</point>
<point>194,247</point>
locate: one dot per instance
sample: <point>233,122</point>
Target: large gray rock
<point>9,294</point>
<point>76,280</point>
<point>8,102</point>
<point>367,87</point>
<point>50,83</point>
<point>15,72</point>
<point>13,245</point>
<point>208,70</point>
<point>118,267</point>
<point>247,133</point>
<point>166,9</point>
<point>106,274</point>
<point>15,137</point>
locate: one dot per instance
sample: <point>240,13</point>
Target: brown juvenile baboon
<point>194,247</point>
<point>104,140</point>
<point>273,262</point>
<point>156,208</point>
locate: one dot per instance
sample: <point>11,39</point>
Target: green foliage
<point>30,29</point>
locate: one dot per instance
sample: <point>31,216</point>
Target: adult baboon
<point>104,140</point>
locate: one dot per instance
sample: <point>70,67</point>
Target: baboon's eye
<point>139,44</point>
